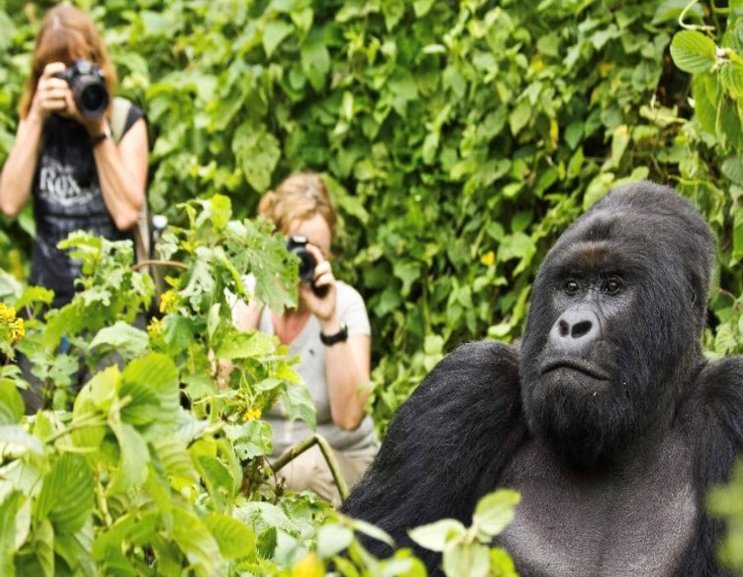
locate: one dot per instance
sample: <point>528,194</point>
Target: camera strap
<point>119,113</point>
<point>143,230</point>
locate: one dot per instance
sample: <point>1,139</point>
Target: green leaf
<point>197,543</point>
<point>15,442</point>
<point>422,7</point>
<point>737,254</point>
<point>123,337</point>
<point>438,536</point>
<point>151,384</point>
<point>174,455</point>
<point>495,511</point>
<point>257,152</point>
<point>8,511</point>
<point>693,52</point>
<point>67,496</point>
<point>520,116</point>
<point>332,539</point>
<point>251,439</point>
<point>732,168</point>
<point>298,403</point>
<point>133,461</point>
<point>11,403</point>
<point>247,346</point>
<point>472,559</point>
<point>235,540</point>
<point>273,34</point>
<point>315,59</point>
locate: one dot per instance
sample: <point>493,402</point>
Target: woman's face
<point>316,230</point>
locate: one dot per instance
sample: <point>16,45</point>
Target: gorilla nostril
<point>563,327</point>
<point>581,329</point>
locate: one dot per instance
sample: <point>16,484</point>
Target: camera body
<point>88,87</point>
<point>297,244</point>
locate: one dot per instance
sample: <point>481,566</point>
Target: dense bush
<point>459,138</point>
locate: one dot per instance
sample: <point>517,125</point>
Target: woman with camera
<point>330,333</point>
<point>80,175</point>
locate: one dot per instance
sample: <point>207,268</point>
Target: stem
<point>95,421</point>
<point>298,448</point>
<point>160,263</point>
<point>692,26</point>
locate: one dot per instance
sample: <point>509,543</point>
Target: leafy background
<point>459,139</point>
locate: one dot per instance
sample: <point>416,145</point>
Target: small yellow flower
<point>7,314</point>
<point>155,328</point>
<point>17,330</point>
<point>488,259</point>
<point>15,327</point>
<point>252,414</point>
<point>168,301</point>
<point>309,566</point>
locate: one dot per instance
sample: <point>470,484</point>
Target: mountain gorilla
<point>608,419</point>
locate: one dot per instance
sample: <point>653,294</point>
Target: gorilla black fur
<point>608,419</point>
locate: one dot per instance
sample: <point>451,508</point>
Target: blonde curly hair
<point>299,197</point>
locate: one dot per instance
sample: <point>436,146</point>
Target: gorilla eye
<point>571,287</point>
<point>611,286</point>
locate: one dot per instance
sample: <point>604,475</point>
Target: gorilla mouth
<point>579,365</point>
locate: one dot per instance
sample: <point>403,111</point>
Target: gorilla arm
<point>717,403</point>
<point>464,421</point>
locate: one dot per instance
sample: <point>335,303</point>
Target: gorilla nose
<point>575,331</point>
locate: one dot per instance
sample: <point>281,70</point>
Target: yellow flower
<point>488,259</point>
<point>14,326</point>
<point>252,414</point>
<point>155,328</point>
<point>309,566</point>
<point>168,301</point>
<point>17,330</point>
<point>7,314</point>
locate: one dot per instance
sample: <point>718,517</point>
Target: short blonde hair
<point>67,33</point>
<point>299,197</point>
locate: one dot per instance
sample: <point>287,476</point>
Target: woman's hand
<point>322,307</point>
<point>52,94</point>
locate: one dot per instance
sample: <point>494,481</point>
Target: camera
<point>297,244</point>
<point>88,87</point>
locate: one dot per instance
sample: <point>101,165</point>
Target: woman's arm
<point>122,173</point>
<point>347,363</point>
<point>18,173</point>
<point>347,366</point>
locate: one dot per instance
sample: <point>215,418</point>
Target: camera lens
<point>306,266</point>
<point>92,99</point>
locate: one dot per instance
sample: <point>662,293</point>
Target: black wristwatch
<point>340,337</point>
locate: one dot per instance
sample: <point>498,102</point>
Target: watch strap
<point>96,139</point>
<point>339,337</point>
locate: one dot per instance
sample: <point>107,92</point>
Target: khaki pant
<point>310,471</point>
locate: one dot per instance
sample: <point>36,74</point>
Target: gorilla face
<point>615,305</point>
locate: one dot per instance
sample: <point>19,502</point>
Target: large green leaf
<point>11,403</point>
<point>122,337</point>
<point>693,52</point>
<point>67,497</point>
<point>234,538</point>
<point>197,543</point>
<point>150,384</point>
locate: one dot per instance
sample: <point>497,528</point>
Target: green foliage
<point>458,139</point>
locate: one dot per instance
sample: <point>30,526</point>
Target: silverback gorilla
<point>607,418</point>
